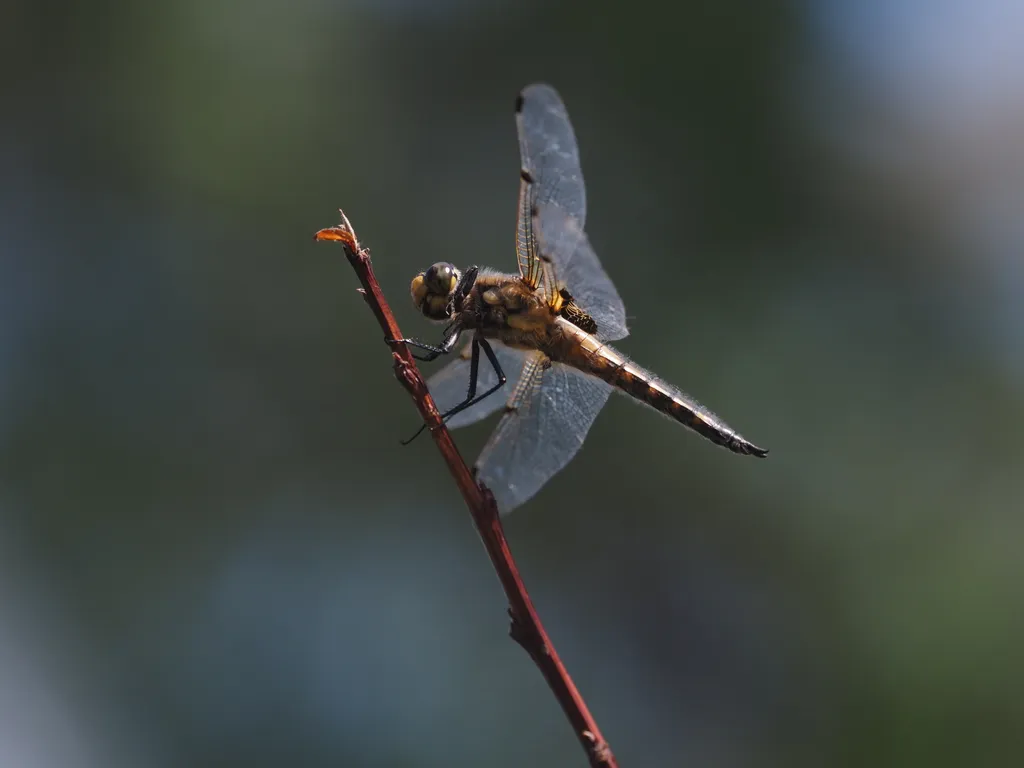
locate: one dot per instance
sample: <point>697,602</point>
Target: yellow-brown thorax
<point>503,307</point>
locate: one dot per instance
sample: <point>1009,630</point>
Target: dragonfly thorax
<point>433,290</point>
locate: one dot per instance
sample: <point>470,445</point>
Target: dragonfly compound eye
<point>432,289</point>
<point>441,278</point>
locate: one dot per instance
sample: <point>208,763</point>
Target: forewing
<point>530,269</point>
<point>550,173</point>
<point>450,385</point>
<point>548,152</point>
<point>550,413</point>
<point>570,262</point>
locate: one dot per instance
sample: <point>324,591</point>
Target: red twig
<point>526,628</point>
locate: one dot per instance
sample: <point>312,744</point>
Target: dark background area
<point>213,550</point>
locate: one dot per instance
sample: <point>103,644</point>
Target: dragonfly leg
<point>474,373</point>
<point>474,365</point>
<point>433,352</point>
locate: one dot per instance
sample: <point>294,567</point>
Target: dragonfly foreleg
<point>433,351</point>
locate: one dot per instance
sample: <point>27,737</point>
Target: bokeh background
<point>213,551</point>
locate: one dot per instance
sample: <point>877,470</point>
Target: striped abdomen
<point>586,352</point>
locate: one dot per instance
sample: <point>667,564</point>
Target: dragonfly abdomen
<point>601,360</point>
<point>666,399</point>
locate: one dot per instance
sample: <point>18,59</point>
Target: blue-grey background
<point>213,551</point>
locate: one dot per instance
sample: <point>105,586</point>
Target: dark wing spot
<point>526,176</point>
<point>575,314</point>
<point>519,103</point>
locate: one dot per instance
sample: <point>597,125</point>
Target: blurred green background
<point>213,551</point>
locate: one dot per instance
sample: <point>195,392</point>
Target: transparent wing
<point>548,152</point>
<point>551,411</point>
<point>550,241</point>
<point>550,172</point>
<point>449,385</point>
<point>569,262</point>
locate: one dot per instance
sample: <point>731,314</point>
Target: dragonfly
<point>547,327</point>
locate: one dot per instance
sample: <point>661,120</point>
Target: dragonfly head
<point>433,290</point>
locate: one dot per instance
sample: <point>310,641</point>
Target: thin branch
<point>526,628</point>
